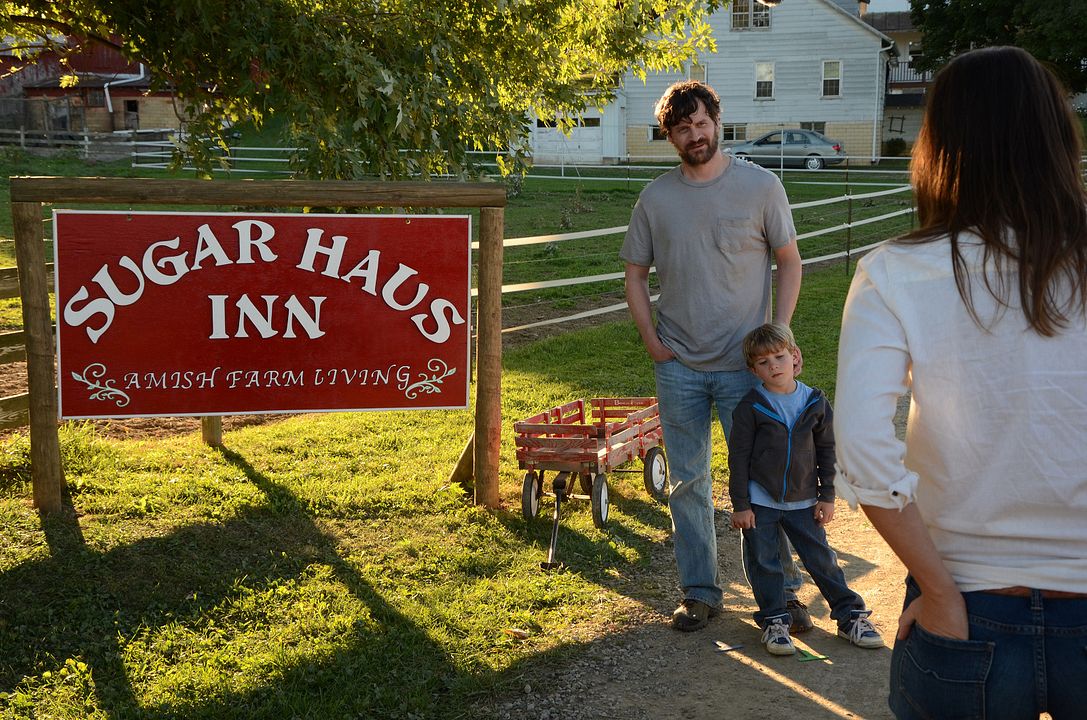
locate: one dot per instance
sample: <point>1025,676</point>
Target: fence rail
<point>244,159</point>
<point>13,409</point>
<point>102,146</point>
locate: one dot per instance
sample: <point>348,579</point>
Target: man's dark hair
<point>681,100</point>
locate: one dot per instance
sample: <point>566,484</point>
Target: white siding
<point>802,34</point>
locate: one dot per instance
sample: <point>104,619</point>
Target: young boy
<point>781,465</point>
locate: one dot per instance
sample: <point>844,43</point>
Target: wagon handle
<point>559,486</point>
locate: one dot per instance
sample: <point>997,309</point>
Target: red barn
<point>112,93</point>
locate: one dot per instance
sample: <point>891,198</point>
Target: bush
<point>895,147</point>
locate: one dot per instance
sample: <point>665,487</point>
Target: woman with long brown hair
<point>980,314</point>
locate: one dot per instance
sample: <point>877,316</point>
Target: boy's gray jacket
<point>791,463</point>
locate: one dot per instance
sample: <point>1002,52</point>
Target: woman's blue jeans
<point>687,399</point>
<point>1025,656</point>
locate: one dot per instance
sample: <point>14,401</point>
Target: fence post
<point>22,137</point>
<point>849,226</point>
<point>848,217</point>
<point>46,474</point>
<point>211,430</point>
<point>86,145</point>
<point>489,357</point>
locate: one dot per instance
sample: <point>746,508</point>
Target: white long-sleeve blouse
<point>995,455</point>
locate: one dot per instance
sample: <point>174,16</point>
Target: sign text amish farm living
<point>229,313</point>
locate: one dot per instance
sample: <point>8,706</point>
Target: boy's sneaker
<point>801,619</point>
<point>776,637</point>
<point>860,631</point>
<point>693,615</point>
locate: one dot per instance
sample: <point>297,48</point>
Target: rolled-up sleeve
<point>873,369</point>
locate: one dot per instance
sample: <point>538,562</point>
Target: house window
<point>750,15</point>
<point>655,133</point>
<point>96,98</point>
<point>733,132</point>
<point>896,124</point>
<point>764,80</point>
<point>819,127</point>
<point>832,78</point>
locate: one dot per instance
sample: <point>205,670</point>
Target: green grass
<point>320,566</point>
<point>546,207</point>
<point>542,207</point>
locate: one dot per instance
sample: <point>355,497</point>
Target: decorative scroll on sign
<point>225,314</point>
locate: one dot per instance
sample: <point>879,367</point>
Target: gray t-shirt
<point>711,243</point>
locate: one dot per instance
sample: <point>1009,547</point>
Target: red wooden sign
<point>226,314</point>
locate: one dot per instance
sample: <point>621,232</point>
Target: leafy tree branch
<point>392,88</point>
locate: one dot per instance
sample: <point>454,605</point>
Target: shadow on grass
<point>591,555</point>
<point>82,603</point>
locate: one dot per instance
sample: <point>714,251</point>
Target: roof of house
<point>862,22</point>
<point>95,80</point>
<point>890,21</point>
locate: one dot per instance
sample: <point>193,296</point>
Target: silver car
<point>802,148</point>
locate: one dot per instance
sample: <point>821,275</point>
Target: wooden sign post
<point>28,194</point>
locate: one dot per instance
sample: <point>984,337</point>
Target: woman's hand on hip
<point>938,615</point>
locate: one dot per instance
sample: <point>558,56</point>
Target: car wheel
<point>813,162</point>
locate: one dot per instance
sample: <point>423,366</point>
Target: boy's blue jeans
<point>687,399</point>
<point>1025,656</point>
<point>810,540</point>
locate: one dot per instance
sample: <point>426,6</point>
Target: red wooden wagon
<point>588,439</point>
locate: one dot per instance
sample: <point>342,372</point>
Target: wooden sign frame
<point>28,194</point>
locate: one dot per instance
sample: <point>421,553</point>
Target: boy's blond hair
<point>766,339</point>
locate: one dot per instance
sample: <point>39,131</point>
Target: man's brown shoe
<point>801,619</point>
<point>693,615</point>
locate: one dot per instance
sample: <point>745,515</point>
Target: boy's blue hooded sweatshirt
<point>791,463</point>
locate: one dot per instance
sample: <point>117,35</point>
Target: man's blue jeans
<point>810,540</point>
<point>687,398</point>
<point>1025,656</point>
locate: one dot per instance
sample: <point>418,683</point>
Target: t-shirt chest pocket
<point>734,235</point>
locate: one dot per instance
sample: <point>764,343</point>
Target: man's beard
<point>700,155</point>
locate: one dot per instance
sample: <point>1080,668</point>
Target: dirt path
<point>643,670</point>
<point>646,670</point>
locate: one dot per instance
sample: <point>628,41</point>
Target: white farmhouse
<point>804,63</point>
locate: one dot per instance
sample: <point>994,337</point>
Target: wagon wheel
<point>599,497</point>
<point>530,494</point>
<point>585,479</point>
<point>655,473</point>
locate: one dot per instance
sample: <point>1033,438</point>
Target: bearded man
<point>710,226</point>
